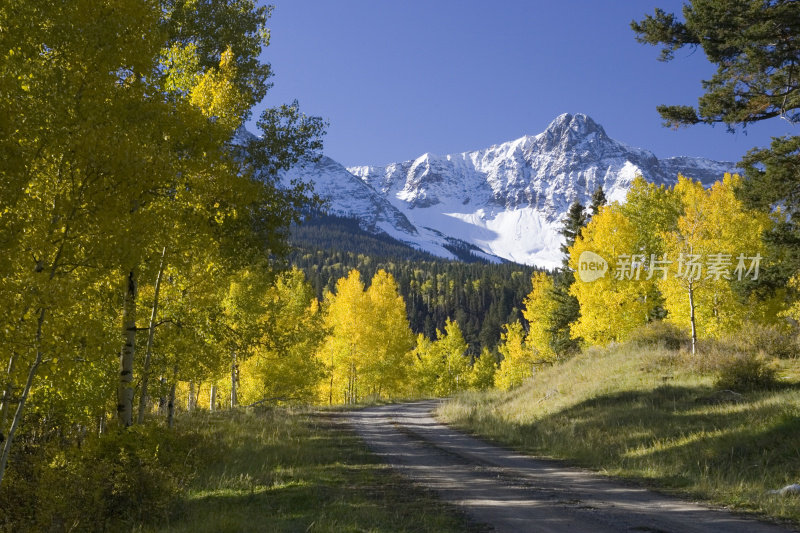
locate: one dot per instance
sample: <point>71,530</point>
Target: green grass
<point>284,470</point>
<point>653,415</point>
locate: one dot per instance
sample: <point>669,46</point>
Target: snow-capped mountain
<point>507,201</point>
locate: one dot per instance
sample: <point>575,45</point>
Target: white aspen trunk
<point>692,318</point>
<point>21,405</point>
<point>190,400</point>
<point>234,379</point>
<point>212,395</point>
<point>151,331</point>
<point>349,392</point>
<point>125,386</point>
<point>8,390</point>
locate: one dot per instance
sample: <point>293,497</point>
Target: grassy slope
<point>280,470</point>
<point>643,413</point>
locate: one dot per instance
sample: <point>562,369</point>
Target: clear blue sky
<point>400,78</point>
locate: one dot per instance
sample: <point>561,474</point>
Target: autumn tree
<point>518,360</point>
<point>617,302</point>
<point>716,242</point>
<point>539,312</point>
<point>341,351</point>
<point>367,350</point>
<point>755,47</point>
<point>389,338</point>
<point>124,152</point>
<point>484,368</point>
<point>283,367</point>
<point>441,366</point>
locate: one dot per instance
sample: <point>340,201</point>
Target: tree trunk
<point>691,318</point>
<point>162,400</point>
<point>212,395</point>
<point>171,400</point>
<point>125,387</point>
<point>151,330</point>
<point>234,379</point>
<point>8,391</point>
<point>190,401</point>
<point>21,405</point>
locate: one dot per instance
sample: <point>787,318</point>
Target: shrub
<point>744,371</point>
<point>112,482</point>
<point>754,337</point>
<point>659,333</point>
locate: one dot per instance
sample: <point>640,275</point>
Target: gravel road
<point>515,493</point>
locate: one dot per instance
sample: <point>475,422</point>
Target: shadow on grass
<point>302,472</point>
<point>674,436</point>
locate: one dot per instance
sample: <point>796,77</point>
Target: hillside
<point>655,415</point>
<point>480,296</point>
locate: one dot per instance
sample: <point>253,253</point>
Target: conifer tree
<point>598,200</point>
<point>566,310</point>
<point>755,47</point>
<point>573,224</point>
<point>755,78</point>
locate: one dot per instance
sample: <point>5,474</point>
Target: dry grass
<point>654,414</point>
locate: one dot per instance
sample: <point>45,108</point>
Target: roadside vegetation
<point>263,469</point>
<point>722,425</point>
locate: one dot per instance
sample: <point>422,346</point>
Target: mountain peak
<point>567,130</point>
<point>508,200</point>
<point>578,123</point>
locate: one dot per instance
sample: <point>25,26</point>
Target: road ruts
<point>515,493</point>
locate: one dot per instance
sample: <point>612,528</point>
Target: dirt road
<point>515,493</point>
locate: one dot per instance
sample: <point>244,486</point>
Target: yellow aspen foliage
<point>539,310</point>
<point>518,359</point>
<point>715,243</point>
<point>283,367</point>
<point>389,340</point>
<point>426,366</point>
<point>217,95</point>
<point>367,350</point>
<point>441,367</point>
<point>342,350</point>
<point>484,368</point>
<point>453,349</point>
<point>617,302</point>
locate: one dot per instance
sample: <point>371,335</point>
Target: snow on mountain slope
<point>349,196</point>
<point>510,199</point>
<point>507,200</point>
